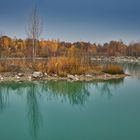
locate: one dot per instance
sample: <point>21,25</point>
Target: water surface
<point>72,111</point>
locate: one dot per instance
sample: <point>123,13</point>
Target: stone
<point>54,75</point>
<point>1,78</point>
<point>72,77</point>
<point>37,75</point>
<point>17,77</point>
<point>30,78</point>
<point>88,75</point>
<point>20,74</point>
<point>45,74</point>
<point>76,79</point>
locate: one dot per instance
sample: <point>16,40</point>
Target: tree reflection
<point>34,113</point>
<point>74,92</point>
<point>30,89</point>
<point>3,97</point>
<point>106,87</point>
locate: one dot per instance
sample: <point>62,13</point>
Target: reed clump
<point>66,65</point>
<point>113,69</point>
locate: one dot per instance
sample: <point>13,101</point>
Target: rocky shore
<point>35,76</point>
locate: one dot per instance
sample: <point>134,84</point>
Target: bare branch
<point>35,27</point>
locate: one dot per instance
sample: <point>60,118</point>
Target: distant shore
<point>119,59</point>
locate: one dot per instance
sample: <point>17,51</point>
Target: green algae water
<point>105,110</point>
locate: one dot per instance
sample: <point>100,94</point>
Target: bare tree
<point>34,30</point>
<point>1,44</point>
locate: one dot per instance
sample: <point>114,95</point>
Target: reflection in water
<point>3,97</point>
<point>133,69</point>
<point>32,94</point>
<point>75,93</point>
<point>33,109</point>
<point>106,86</point>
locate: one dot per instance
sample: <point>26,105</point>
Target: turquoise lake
<point>105,110</point>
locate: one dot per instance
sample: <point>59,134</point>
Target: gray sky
<point>75,20</point>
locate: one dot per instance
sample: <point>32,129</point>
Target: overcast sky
<point>75,20</point>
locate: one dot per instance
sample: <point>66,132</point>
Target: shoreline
<point>38,76</point>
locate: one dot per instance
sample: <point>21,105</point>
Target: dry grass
<point>15,66</point>
<point>40,66</point>
<point>113,69</point>
<point>61,66</point>
<point>66,65</point>
<point>22,66</point>
<point>4,68</point>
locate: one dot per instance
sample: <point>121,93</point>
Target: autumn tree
<point>6,43</point>
<point>133,50</point>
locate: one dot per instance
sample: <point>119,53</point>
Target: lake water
<point>72,111</point>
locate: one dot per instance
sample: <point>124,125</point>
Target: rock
<point>54,75</point>
<point>37,75</point>
<point>76,79</point>
<point>88,76</point>
<point>105,76</point>
<point>20,74</point>
<point>72,77</point>
<point>1,78</point>
<point>45,74</point>
<point>30,78</point>
<point>17,77</point>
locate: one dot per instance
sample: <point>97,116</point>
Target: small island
<point>58,68</point>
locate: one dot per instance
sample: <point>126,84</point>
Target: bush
<point>113,69</point>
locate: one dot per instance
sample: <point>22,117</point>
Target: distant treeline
<point>13,47</point>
